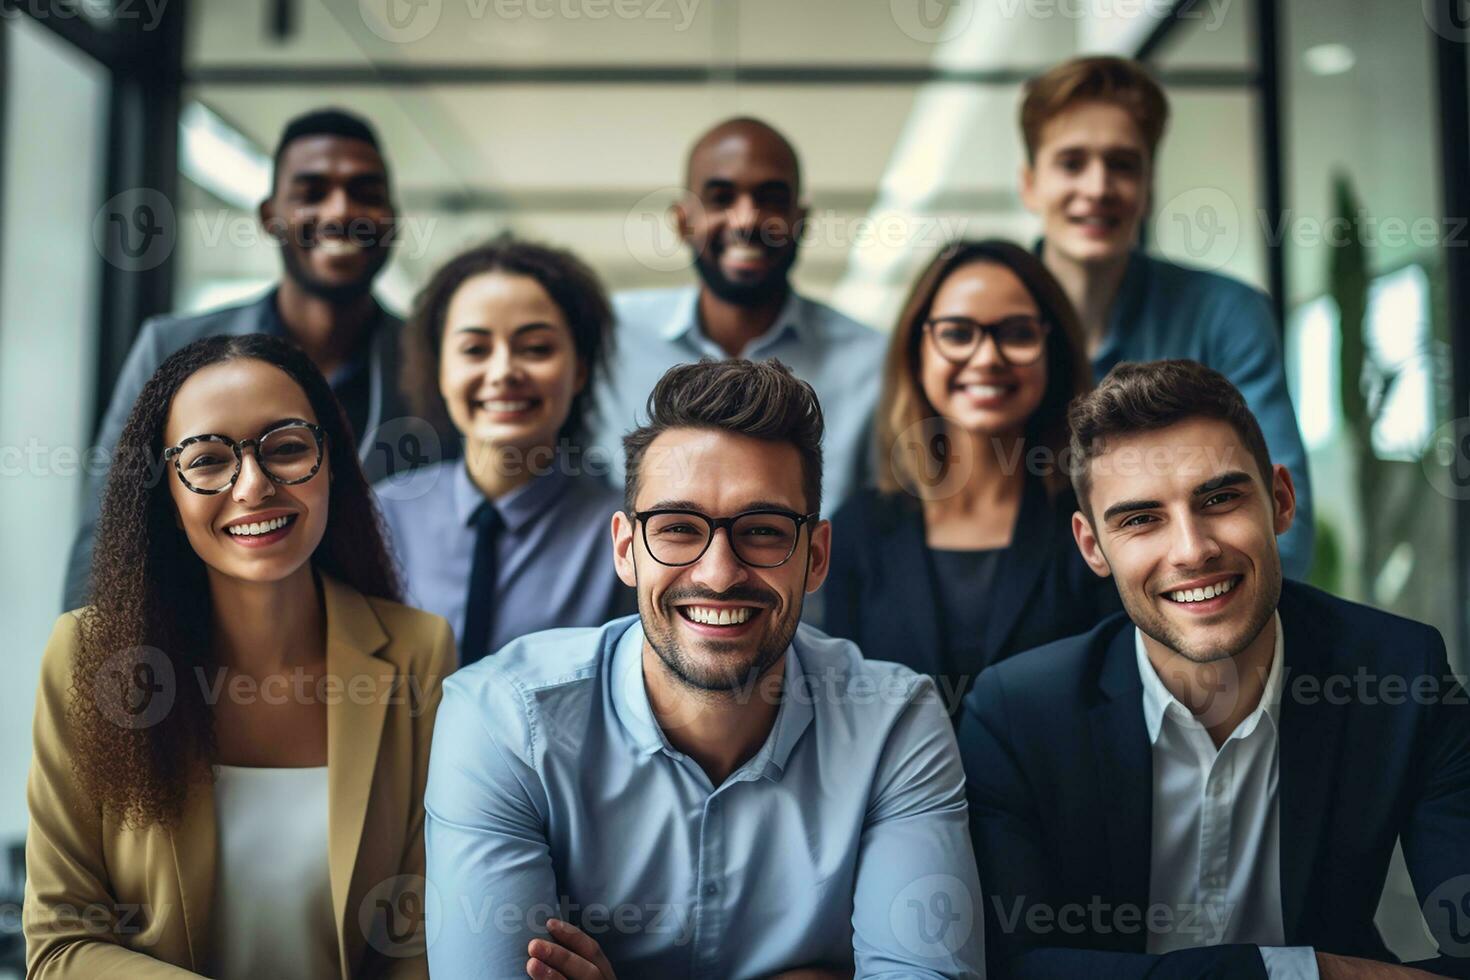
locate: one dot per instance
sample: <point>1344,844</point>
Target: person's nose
<point>1096,181</point>
<point>252,486</point>
<point>719,569</point>
<point>1192,545</point>
<point>501,369</point>
<point>987,353</point>
<point>744,216</point>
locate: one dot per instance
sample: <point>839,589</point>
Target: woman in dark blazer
<point>963,554</point>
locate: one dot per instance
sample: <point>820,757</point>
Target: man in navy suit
<point>1211,783</point>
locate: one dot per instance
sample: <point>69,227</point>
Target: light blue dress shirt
<point>554,562</point>
<point>1165,310</point>
<point>840,358</point>
<point>843,841</point>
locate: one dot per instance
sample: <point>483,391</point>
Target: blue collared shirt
<point>1165,310</point>
<point>554,563</point>
<point>840,358</point>
<point>842,841</point>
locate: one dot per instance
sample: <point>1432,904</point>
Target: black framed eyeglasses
<point>1019,339</point>
<point>759,538</point>
<point>289,452</point>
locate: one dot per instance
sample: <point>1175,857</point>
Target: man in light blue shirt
<point>741,217</point>
<point>1092,127</point>
<point>708,789</point>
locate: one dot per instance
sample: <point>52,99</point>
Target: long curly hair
<point>150,596</point>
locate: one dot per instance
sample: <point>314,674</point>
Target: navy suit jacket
<point>881,591</point>
<point>1059,774</point>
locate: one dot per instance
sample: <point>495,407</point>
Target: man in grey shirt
<point>741,216</point>
<point>331,212</point>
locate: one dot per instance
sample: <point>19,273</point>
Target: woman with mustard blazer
<point>231,741</point>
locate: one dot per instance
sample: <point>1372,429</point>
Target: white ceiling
<point>891,169</point>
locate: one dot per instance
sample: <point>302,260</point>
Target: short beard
<point>767,291</point>
<point>660,631</point>
<point>337,294</point>
<point>1161,631</point>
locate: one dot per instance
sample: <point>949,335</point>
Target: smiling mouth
<point>719,617</point>
<point>258,534</point>
<point>507,406</point>
<point>987,391</point>
<point>1204,594</point>
<point>1096,222</point>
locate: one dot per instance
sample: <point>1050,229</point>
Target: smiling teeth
<point>718,617</point>
<point>986,391</point>
<point>259,527</point>
<point>503,406</point>
<point>744,252</point>
<point>336,246</point>
<point>1200,595</point>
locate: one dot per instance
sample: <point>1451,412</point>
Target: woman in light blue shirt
<point>512,538</point>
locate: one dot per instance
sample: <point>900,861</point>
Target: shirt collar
<point>269,321</point>
<point>630,703</point>
<point>683,321</point>
<point>521,505</point>
<point>1158,702</point>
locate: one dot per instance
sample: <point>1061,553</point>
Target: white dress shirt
<point>1216,855</point>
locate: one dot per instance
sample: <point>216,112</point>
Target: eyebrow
<point>292,420</point>
<point>538,325</point>
<point>749,505</point>
<point>715,183</point>
<point>1233,478</point>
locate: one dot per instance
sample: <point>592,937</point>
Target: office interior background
<point>1319,149</point>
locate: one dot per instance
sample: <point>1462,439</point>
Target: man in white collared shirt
<point>741,217</point>
<point>1211,783</point>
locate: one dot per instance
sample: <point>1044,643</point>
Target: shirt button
<point>711,889</point>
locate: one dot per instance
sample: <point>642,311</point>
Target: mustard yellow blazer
<point>103,900</point>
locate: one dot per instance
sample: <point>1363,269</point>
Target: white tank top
<point>272,912</point>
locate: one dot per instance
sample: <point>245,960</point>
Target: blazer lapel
<point>1027,557</point>
<point>917,613</point>
<point>1307,745</point>
<point>195,844</point>
<point>354,729</point>
<point>1125,774</point>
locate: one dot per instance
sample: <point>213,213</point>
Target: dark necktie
<point>479,601</point>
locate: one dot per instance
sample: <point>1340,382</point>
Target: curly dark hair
<point>151,597</point>
<point>572,286</point>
